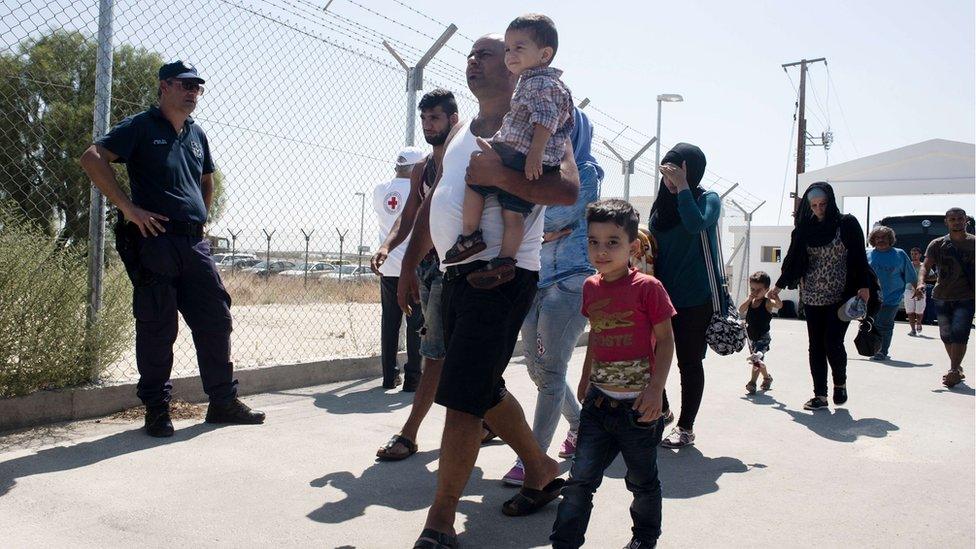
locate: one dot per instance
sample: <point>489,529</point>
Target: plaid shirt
<point>540,98</point>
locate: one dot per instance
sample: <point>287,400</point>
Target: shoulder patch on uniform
<point>392,202</point>
<point>196,148</point>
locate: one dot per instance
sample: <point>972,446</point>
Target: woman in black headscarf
<point>827,259</point>
<point>681,212</point>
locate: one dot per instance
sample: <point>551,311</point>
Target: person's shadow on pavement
<point>64,458</point>
<point>370,401</point>
<point>839,425</point>
<point>960,389</point>
<point>893,363</point>
<point>686,473</point>
<point>409,485</point>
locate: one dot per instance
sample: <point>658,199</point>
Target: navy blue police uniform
<point>173,271</point>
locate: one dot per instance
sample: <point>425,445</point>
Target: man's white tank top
<point>448,201</point>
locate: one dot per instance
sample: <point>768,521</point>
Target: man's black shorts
<point>481,328</point>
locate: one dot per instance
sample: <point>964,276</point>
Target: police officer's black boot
<point>234,411</point>
<point>158,423</point>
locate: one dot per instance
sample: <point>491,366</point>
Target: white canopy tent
<point>933,167</point>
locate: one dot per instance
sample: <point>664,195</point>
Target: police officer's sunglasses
<point>188,85</point>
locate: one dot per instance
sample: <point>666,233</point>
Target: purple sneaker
<point>568,448</point>
<point>516,475</point>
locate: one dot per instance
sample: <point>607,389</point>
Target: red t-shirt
<point>622,314</point>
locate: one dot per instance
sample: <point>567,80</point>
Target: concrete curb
<point>44,407</point>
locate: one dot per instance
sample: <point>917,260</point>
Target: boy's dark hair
<point>540,28</point>
<point>955,210</point>
<point>618,212</point>
<point>439,98</point>
<point>760,277</point>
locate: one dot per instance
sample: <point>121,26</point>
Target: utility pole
<point>415,77</point>
<point>801,125</point>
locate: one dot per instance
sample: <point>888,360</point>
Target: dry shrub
<point>44,341</point>
<point>247,289</point>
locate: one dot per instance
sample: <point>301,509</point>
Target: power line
<point>840,107</point>
<point>789,155</point>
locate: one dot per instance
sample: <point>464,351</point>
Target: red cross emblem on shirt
<point>392,202</point>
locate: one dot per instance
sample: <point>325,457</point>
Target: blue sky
<point>299,124</point>
<point>903,72</point>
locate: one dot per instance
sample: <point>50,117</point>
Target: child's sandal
<point>465,247</point>
<point>751,387</point>
<point>767,383</point>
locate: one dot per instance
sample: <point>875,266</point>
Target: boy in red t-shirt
<point>627,361</point>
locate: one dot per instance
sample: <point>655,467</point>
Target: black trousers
<point>689,327</point>
<point>175,274</point>
<point>826,332</point>
<point>390,333</point>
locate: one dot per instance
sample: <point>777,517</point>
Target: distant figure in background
<point>161,244</point>
<point>895,271</point>
<point>828,260</point>
<point>915,308</point>
<point>954,294</point>
<point>388,200</point>
<point>643,258</point>
<point>758,311</point>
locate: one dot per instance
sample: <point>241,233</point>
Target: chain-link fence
<point>304,109</point>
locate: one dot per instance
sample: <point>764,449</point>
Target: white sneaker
<point>679,438</point>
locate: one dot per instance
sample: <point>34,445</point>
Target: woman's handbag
<point>868,339</point>
<point>725,333</point>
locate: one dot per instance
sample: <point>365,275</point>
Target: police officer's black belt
<point>180,228</point>
<point>455,272</point>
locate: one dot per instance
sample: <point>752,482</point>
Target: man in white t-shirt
<point>388,200</point>
<point>481,326</point>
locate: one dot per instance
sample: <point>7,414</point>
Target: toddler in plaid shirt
<point>532,139</point>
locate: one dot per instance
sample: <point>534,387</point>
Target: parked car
<point>315,270</point>
<point>231,257</point>
<point>264,269</point>
<point>237,264</point>
<point>352,272</point>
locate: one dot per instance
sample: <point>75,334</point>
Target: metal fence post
<point>628,164</point>
<point>415,78</point>
<point>100,125</point>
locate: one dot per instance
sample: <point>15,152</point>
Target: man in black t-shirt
<point>161,242</point>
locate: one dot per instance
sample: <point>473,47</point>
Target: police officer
<point>160,241</point>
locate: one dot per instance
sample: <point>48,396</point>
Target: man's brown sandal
<point>498,271</point>
<point>386,453</point>
<point>465,247</point>
<point>953,377</point>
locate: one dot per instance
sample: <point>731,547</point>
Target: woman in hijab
<point>828,260</point>
<point>681,211</point>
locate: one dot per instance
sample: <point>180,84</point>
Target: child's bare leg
<point>762,370</point>
<point>514,227</point>
<point>755,373</point>
<point>474,205</point>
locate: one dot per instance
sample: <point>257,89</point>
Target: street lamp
<point>362,217</point>
<point>663,98</point>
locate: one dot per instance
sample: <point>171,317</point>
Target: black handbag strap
<point>713,277</point>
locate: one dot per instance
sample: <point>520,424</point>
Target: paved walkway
<point>893,468</point>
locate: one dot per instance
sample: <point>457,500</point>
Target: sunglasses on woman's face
<point>189,85</point>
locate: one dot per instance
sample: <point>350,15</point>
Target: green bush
<point>44,343</point>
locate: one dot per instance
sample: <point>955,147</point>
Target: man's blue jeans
<point>609,427</point>
<point>885,322</point>
<point>549,335</point>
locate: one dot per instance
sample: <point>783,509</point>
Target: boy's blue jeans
<point>609,427</point>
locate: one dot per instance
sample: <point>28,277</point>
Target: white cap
<point>409,156</point>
